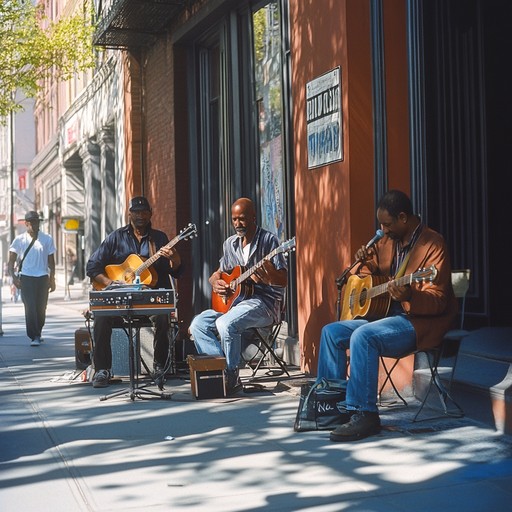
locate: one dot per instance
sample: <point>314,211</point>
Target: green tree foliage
<point>33,47</point>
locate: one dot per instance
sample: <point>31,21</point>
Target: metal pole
<point>1,305</point>
<point>11,141</point>
<point>67,294</point>
<point>11,198</point>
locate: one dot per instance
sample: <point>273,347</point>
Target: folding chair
<point>449,348</point>
<point>265,340</point>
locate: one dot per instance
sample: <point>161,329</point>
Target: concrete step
<point>482,383</point>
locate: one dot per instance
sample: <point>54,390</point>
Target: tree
<point>33,47</point>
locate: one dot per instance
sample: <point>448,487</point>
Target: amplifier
<point>207,376</point>
<point>132,301</point>
<point>83,348</point>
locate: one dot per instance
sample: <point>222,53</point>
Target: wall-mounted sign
<point>71,130</point>
<point>22,178</point>
<point>324,119</point>
<point>71,224</point>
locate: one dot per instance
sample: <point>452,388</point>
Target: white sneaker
<point>35,342</point>
<point>101,379</point>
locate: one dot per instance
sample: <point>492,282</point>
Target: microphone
<point>378,235</point>
<point>342,279</point>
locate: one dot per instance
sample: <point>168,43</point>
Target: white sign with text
<point>324,119</point>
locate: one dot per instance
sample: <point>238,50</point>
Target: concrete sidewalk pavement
<point>62,449</point>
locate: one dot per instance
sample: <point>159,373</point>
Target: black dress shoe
<point>362,424</point>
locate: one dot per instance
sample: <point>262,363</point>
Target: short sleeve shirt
<point>35,263</point>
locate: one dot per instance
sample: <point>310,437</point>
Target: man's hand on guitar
<point>263,274</point>
<point>399,293</point>
<point>268,274</point>
<point>220,287</point>
<point>172,255</point>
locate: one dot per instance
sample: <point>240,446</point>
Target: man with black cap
<point>137,237</point>
<point>35,275</point>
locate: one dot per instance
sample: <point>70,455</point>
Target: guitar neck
<point>383,288</point>
<point>155,256</point>
<point>242,277</point>
<point>283,248</point>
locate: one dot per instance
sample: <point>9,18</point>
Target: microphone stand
<point>342,281</point>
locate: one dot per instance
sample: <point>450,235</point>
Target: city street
<point>62,449</point>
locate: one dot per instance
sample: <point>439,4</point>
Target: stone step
<point>482,383</point>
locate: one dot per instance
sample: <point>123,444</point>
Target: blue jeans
<point>389,337</point>
<point>218,334</point>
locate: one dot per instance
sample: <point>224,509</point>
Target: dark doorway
<point>466,46</point>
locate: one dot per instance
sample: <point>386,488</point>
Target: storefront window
<point>268,93</point>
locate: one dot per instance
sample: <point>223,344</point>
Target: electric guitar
<point>135,267</point>
<point>367,296</point>
<point>240,289</point>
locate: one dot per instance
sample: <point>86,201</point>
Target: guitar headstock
<point>189,232</point>
<point>287,246</point>
<point>425,274</point>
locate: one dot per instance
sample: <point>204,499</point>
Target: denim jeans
<point>390,337</point>
<point>220,334</point>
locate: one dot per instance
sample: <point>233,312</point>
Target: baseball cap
<point>31,215</point>
<point>139,203</point>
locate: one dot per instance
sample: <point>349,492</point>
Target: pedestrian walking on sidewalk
<point>34,251</point>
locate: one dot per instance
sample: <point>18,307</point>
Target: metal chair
<point>449,348</point>
<point>265,351</point>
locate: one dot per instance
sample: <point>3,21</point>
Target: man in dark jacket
<point>136,238</point>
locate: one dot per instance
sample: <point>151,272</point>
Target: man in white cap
<point>35,276</point>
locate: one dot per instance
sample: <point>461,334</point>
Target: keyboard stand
<point>135,389</point>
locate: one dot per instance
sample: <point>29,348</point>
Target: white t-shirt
<point>36,261</point>
<point>245,252</point>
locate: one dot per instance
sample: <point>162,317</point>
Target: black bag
<point>321,406</point>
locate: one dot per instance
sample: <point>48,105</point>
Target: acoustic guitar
<point>136,267</point>
<point>367,296</point>
<point>236,279</point>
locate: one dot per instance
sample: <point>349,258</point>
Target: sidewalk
<point>62,449</point>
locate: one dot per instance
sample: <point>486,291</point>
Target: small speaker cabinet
<point>207,376</point>
<point>83,347</point>
<point>120,351</point>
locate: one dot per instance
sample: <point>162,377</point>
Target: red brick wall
<point>334,203</point>
<point>133,125</point>
<point>166,151</point>
<point>340,197</point>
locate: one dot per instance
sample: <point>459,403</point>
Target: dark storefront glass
<point>268,95</point>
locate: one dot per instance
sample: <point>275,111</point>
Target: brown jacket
<point>433,307</point>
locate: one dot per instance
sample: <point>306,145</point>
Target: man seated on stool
<point>138,237</point>
<point>219,333</point>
